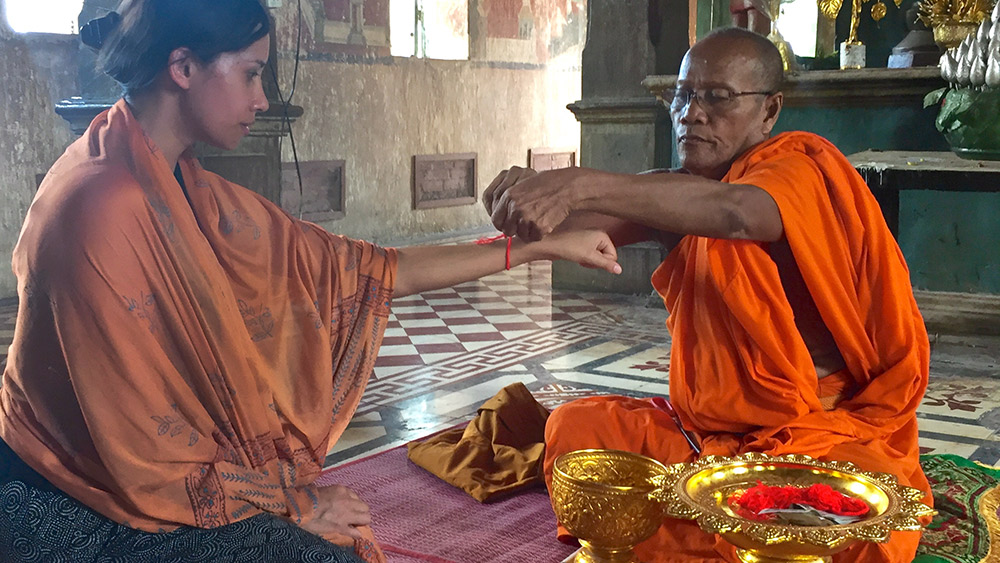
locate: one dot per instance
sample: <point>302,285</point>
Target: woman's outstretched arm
<point>424,268</point>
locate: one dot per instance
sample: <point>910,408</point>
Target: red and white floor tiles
<point>445,352</point>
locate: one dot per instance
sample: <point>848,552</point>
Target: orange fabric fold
<point>182,360</point>
<point>741,376</point>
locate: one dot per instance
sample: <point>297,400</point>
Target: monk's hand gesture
<point>529,204</point>
<point>588,247</point>
<point>339,513</point>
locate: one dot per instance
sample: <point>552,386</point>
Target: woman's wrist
<point>522,252</point>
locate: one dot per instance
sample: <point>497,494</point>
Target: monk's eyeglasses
<point>711,99</point>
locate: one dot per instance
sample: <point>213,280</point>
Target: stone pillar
<point>621,123</point>
<point>255,164</point>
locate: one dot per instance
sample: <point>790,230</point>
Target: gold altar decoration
<point>787,56</point>
<point>830,9</point>
<point>604,498</point>
<point>699,491</point>
<point>953,20</point>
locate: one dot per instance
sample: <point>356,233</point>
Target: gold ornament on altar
<point>784,48</point>
<point>953,20</point>
<point>613,500</point>
<point>830,8</point>
<point>852,51</point>
<point>878,10</point>
<point>700,491</point>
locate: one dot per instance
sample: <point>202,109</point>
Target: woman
<point>186,352</point>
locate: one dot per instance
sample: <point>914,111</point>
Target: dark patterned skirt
<point>40,523</point>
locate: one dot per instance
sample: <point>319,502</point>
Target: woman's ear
<point>181,66</point>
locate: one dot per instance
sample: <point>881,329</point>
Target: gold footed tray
<point>613,500</point>
<point>700,490</point>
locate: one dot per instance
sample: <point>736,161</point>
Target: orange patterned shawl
<point>172,367</point>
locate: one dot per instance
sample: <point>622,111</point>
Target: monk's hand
<point>529,204</point>
<point>588,247</point>
<point>339,513</point>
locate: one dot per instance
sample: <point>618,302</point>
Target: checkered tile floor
<point>445,352</point>
<point>437,325</point>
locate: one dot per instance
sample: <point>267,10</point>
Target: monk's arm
<point>676,203</point>
<point>622,232</point>
<point>683,203</point>
<point>423,268</point>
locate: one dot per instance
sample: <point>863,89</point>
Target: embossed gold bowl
<point>603,498</point>
<point>950,34</point>
<point>700,491</point>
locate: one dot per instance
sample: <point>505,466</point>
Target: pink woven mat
<point>418,517</point>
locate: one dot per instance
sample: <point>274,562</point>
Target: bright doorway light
<point>402,27</point>
<point>44,16</point>
<point>798,23</point>
<point>433,29</point>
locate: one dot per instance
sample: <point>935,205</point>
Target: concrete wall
<point>373,112</point>
<point>377,115</point>
<point>37,71</point>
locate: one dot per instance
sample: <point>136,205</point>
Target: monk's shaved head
<point>728,99</point>
<point>755,47</point>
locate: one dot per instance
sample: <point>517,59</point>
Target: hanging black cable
<point>286,103</point>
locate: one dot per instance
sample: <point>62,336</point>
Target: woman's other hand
<point>339,513</point>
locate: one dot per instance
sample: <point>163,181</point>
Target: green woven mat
<point>958,534</point>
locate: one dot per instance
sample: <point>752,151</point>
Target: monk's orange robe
<point>741,376</point>
<point>183,362</point>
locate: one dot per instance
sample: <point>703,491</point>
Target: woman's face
<point>226,95</point>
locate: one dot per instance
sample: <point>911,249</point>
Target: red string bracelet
<point>487,240</point>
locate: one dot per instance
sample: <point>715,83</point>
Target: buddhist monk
<point>185,352</point>
<point>793,323</point>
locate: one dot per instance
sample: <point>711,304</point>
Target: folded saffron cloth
<point>498,453</point>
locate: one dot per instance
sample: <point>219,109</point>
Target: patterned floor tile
<point>650,362</point>
<point>445,352</point>
<point>552,395</point>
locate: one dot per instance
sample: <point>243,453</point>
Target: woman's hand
<point>339,513</point>
<point>589,248</point>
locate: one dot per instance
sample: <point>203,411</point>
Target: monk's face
<point>226,94</point>
<point>713,131</point>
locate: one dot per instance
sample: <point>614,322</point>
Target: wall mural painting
<point>356,27</point>
<point>524,31</point>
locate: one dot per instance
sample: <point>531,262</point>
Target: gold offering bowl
<point>949,34</point>
<point>700,491</point>
<point>603,498</point>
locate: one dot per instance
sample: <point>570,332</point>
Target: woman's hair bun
<point>97,30</point>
